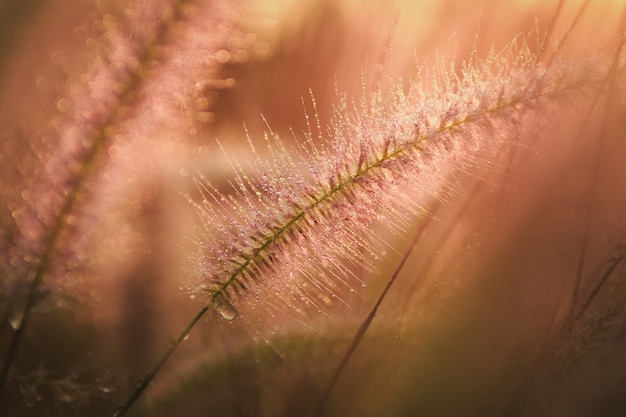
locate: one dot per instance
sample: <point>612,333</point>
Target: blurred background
<point>511,304</point>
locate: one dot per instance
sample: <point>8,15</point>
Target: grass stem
<point>372,314</point>
<point>149,376</point>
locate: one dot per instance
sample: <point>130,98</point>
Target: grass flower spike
<point>288,235</point>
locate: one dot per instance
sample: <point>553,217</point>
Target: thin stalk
<point>555,16</point>
<point>550,347</point>
<point>594,178</point>
<point>569,32</point>
<point>599,286</point>
<point>432,256</point>
<point>525,388</point>
<point>372,314</point>
<point>149,376</point>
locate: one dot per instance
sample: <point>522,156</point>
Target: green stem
<point>149,376</point>
<point>372,314</point>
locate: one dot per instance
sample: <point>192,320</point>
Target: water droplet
<point>222,56</point>
<point>16,320</point>
<point>63,105</point>
<point>225,309</point>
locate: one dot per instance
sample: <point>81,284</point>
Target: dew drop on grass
<point>15,320</point>
<point>225,309</point>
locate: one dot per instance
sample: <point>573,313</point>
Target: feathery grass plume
<point>125,55</point>
<point>288,238</point>
<point>160,61</point>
